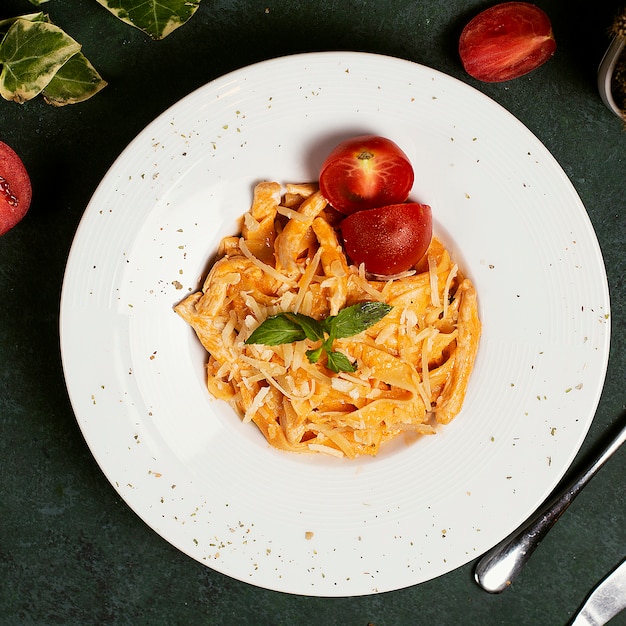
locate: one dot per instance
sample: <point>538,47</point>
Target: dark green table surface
<point>71,551</point>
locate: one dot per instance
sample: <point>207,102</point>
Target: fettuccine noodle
<point>413,366</point>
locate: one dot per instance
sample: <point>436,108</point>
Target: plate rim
<point>237,73</point>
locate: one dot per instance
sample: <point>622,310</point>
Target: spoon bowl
<point>605,74</point>
<point>497,569</point>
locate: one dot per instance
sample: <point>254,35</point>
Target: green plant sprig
<point>38,57</point>
<point>156,18</point>
<point>289,327</point>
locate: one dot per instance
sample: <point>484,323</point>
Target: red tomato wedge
<point>390,239</point>
<point>506,41</point>
<point>15,189</point>
<point>364,173</point>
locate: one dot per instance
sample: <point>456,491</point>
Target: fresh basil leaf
<point>287,327</point>
<point>31,54</point>
<point>156,18</point>
<point>276,330</point>
<point>314,355</point>
<point>313,329</point>
<point>76,81</point>
<point>356,318</point>
<point>339,362</point>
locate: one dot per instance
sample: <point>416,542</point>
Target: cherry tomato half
<point>506,41</point>
<point>389,239</point>
<point>364,173</point>
<point>15,189</point>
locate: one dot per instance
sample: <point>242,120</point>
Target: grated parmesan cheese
<point>316,447</point>
<point>291,214</point>
<point>342,385</point>
<point>251,223</point>
<point>256,404</point>
<point>427,346</point>
<point>305,281</point>
<point>412,368</point>
<point>434,282</point>
<point>446,292</point>
<point>268,269</point>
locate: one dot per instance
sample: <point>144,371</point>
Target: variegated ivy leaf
<point>157,18</point>
<point>31,17</point>
<point>76,81</point>
<point>68,76</point>
<point>31,54</point>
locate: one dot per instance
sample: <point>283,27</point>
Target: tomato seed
<point>5,190</point>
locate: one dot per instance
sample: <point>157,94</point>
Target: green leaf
<point>276,330</point>
<point>339,362</point>
<point>76,81</point>
<point>356,318</point>
<point>31,53</point>
<point>313,329</point>
<point>287,327</point>
<point>31,17</point>
<point>314,355</point>
<point>157,18</point>
<point>38,2</point>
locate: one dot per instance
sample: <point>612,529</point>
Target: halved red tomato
<point>506,41</point>
<point>15,189</point>
<point>364,173</point>
<point>389,239</point>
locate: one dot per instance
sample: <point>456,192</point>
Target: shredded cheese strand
<point>412,367</point>
<point>268,269</point>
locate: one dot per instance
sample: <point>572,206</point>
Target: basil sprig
<point>288,327</point>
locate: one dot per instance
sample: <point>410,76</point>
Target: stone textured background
<point>72,552</point>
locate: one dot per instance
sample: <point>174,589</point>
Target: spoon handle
<point>498,567</point>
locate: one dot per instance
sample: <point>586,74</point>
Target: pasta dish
<point>411,368</point>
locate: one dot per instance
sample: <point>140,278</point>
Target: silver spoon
<point>498,567</point>
<point>605,74</point>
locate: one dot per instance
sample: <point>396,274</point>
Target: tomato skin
<point>366,172</point>
<point>15,189</point>
<point>389,239</point>
<point>506,41</point>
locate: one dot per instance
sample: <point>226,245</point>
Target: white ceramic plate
<point>209,484</point>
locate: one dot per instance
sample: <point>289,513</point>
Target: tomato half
<point>390,239</point>
<point>364,173</point>
<point>15,189</point>
<point>506,41</point>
